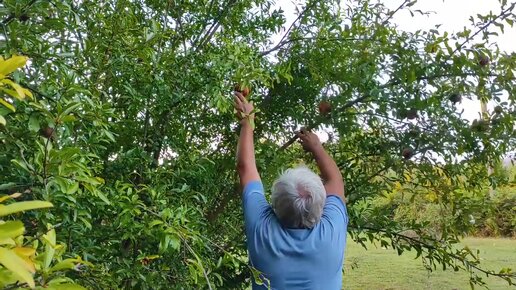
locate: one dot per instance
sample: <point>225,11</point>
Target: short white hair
<point>298,198</point>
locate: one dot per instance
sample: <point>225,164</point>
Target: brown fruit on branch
<point>324,108</point>
<point>24,17</point>
<point>245,91</point>
<point>46,132</point>
<point>483,60</point>
<point>402,114</point>
<point>407,153</point>
<point>455,98</point>
<point>412,114</point>
<point>498,109</point>
<point>480,125</point>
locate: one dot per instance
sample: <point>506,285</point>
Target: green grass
<point>378,268</point>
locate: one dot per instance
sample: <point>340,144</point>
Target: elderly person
<point>297,241</point>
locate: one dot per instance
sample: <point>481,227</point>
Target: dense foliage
<point>131,136</point>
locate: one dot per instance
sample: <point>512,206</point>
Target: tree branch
<point>502,14</point>
<point>281,44</point>
<point>347,105</point>
<point>414,241</point>
<point>282,41</point>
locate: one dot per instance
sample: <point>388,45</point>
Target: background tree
<point>131,134</point>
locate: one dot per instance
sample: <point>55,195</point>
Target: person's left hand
<point>244,109</point>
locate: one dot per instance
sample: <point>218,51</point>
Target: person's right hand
<point>309,140</point>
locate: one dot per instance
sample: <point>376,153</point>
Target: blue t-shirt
<point>293,259</point>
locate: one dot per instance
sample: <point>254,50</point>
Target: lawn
<point>378,268</point>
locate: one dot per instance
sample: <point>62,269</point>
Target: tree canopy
<point>122,119</point>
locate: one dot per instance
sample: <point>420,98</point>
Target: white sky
<point>453,15</point>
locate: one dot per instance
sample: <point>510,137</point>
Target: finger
<point>241,97</point>
<point>304,131</point>
<point>238,102</point>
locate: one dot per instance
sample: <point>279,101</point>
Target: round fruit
<point>480,125</point>
<point>403,114</point>
<point>46,132</point>
<point>324,108</point>
<point>498,109</point>
<point>407,153</point>
<point>483,60</point>
<point>412,114</point>
<point>455,98</point>
<point>24,17</point>
<point>246,92</point>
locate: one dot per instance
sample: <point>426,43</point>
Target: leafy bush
<point>498,218</point>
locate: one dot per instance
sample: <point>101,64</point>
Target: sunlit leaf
<point>23,206</point>
<point>11,229</point>
<point>17,265</point>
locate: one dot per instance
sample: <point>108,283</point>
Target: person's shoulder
<point>335,200</point>
<point>335,209</point>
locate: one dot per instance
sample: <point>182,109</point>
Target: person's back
<point>293,258</point>
<point>298,241</point>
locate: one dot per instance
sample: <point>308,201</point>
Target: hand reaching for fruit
<point>309,140</point>
<point>244,109</point>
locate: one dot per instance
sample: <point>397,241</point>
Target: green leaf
<point>3,122</point>
<point>68,264</point>
<point>34,124</point>
<point>66,286</point>
<point>155,222</point>
<point>73,188</point>
<point>103,197</point>
<point>17,265</point>
<point>50,243</point>
<point>11,229</point>
<point>8,185</point>
<point>68,118</point>
<point>69,109</point>
<point>175,243</point>
<point>23,206</point>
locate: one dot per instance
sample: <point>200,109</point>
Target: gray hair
<point>298,198</point>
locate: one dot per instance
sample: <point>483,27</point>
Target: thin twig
<point>391,14</point>
<point>281,44</point>
<point>282,41</point>
<point>502,14</point>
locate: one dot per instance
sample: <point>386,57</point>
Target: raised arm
<point>330,173</point>
<point>246,163</point>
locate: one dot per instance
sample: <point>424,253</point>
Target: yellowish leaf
<point>16,87</point>
<point>25,254</point>
<point>69,264</point>
<point>50,245</point>
<point>28,93</point>
<point>23,206</point>
<point>6,197</point>
<point>7,241</point>
<point>24,251</point>
<point>3,122</point>
<point>11,229</point>
<point>17,265</point>
<point>7,105</point>
<point>66,286</point>
<point>9,65</point>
